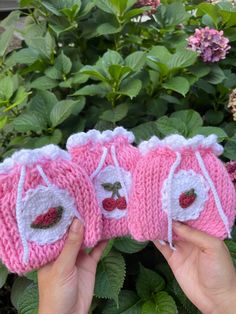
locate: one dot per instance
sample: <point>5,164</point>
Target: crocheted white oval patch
<point>183,182</point>
<point>37,202</point>
<point>110,191</point>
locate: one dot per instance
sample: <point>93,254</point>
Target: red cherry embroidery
<point>109,204</point>
<point>121,203</point>
<point>51,218</point>
<point>187,198</point>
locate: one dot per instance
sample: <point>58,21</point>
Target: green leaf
<point>53,73</point>
<point>3,275</point>
<point>128,245</point>
<point>214,117</point>
<point>169,126</point>
<point>54,138</point>
<point>62,110</point>
<point>63,64</point>
<point>33,276</point>
<point>93,72</point>
<point>29,122</point>
<point>23,56</point>
<point>177,84</point>
<point>3,121</point>
<point>230,148</point>
<point>129,303</point>
<point>119,72</point>
<point>182,58</point>
<point>6,87</point>
<point>181,297</point>
<point>116,114</point>
<point>216,76</point>
<point>11,19</point>
<point>18,288</point>
<point>107,28</point>
<point>145,131</point>
<point>163,304</point>
<point>208,130</point>
<point>200,70</point>
<point>130,88</point>
<point>191,118</point>
<point>134,12</point>
<point>111,57</point>
<point>175,14</point>
<point>136,60</point>
<point>51,8</point>
<point>44,45</point>
<point>105,6</point>
<point>44,83</point>
<point>231,245</point>
<point>108,248</point>
<point>28,301</point>
<point>110,276</point>
<point>209,9</point>
<point>160,53</point>
<point>94,89</point>
<point>5,39</point>
<point>148,282</point>
<point>42,104</point>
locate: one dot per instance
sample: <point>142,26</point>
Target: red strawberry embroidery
<point>187,198</point>
<point>51,218</point>
<point>109,204</point>
<point>121,203</point>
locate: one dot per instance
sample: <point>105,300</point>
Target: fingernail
<point>177,224</point>
<point>76,226</point>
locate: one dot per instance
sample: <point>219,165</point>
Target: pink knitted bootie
<point>40,194</point>
<point>181,179</point>
<point>109,159</point>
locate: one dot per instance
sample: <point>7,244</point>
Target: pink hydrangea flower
<point>231,168</point>
<point>152,3</point>
<point>211,45</point>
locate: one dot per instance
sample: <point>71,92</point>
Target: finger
<point>68,256</point>
<point>196,237</point>
<point>98,250</point>
<point>164,248</point>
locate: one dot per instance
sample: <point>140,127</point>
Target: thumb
<point>67,259</point>
<point>196,237</point>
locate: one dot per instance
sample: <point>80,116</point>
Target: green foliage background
<point>97,64</point>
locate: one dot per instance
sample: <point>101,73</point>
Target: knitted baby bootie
<point>181,179</point>
<point>109,159</point>
<point>40,194</point>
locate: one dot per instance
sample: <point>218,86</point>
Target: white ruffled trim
<point>28,157</point>
<point>96,136</point>
<point>178,142</point>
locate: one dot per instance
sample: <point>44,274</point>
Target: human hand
<point>66,285</point>
<point>203,268</point>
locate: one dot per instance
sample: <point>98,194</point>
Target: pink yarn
<point>115,188</point>
<point>148,220</point>
<point>64,175</point>
<point>87,152</point>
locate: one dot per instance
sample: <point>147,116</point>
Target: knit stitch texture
<point>64,176</point>
<point>148,217</point>
<point>87,150</point>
